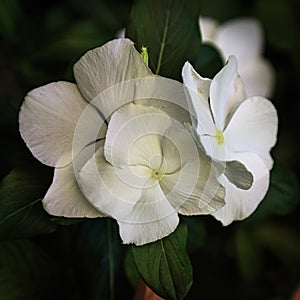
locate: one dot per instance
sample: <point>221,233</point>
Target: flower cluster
<point>142,149</point>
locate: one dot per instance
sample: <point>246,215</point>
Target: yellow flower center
<point>157,174</point>
<point>219,137</point>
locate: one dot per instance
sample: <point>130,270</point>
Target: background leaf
<point>165,266</point>
<point>21,211</point>
<point>95,248</point>
<point>283,195</point>
<point>169,28</point>
<point>27,272</point>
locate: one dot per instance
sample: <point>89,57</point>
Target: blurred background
<point>255,259</point>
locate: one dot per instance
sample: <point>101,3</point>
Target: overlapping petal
<point>105,66</point>
<point>241,37</point>
<point>64,197</point>
<point>48,119</point>
<point>226,93</point>
<point>133,135</point>
<point>258,76</point>
<point>241,203</point>
<point>253,128</point>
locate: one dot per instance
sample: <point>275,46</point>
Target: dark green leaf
<point>21,211</point>
<point>27,272</point>
<point>170,31</point>
<point>196,232</point>
<point>283,195</point>
<point>249,254</point>
<point>130,269</point>
<point>165,266</point>
<point>97,254</point>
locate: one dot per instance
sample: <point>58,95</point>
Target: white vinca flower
<point>233,127</point>
<point>242,37</point>
<point>120,146</point>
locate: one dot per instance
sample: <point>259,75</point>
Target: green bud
<point>144,53</point>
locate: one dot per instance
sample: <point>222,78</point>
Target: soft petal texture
<point>194,189</point>
<point>226,93</point>
<point>240,37</point>
<point>163,93</point>
<point>241,203</point>
<point>144,233</point>
<point>135,208</point>
<point>112,63</point>
<point>195,82</point>
<point>105,188</point>
<point>64,197</point>
<point>258,76</point>
<point>253,128</point>
<point>133,135</point>
<point>48,119</point>
<point>208,27</point>
<point>199,105</point>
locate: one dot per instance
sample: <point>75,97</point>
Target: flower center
<point>157,174</point>
<point>219,137</point>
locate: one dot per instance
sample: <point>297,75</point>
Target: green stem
<point>163,42</point>
<point>110,260</point>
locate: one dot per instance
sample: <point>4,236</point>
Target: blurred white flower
<point>233,127</point>
<point>242,37</point>
<point>119,146</point>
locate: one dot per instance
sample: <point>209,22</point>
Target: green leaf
<point>170,31</point>
<point>21,211</point>
<point>249,254</point>
<point>130,269</point>
<point>196,232</point>
<point>165,266</point>
<point>283,195</point>
<point>97,253</point>
<point>27,272</point>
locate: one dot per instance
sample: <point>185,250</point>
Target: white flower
<point>231,127</point>
<point>243,38</point>
<point>119,146</point>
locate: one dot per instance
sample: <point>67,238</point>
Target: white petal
<point>48,119</point>
<point>150,219</point>
<point>198,89</point>
<point>241,203</point>
<point>134,133</point>
<point>112,63</point>
<point>64,197</point>
<point>111,190</point>
<point>240,37</point>
<point>258,76</point>
<point>208,27</point>
<point>195,82</point>
<point>194,189</point>
<point>178,147</point>
<point>253,128</point>
<point>144,233</point>
<point>226,93</point>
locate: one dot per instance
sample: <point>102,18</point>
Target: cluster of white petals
<point>142,149</point>
<point>232,127</point>
<point>243,38</point>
